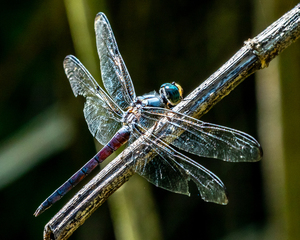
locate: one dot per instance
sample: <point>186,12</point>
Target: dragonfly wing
<point>172,170</point>
<point>205,139</point>
<point>102,115</point>
<point>115,75</point>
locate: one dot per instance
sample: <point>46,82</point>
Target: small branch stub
<point>277,37</point>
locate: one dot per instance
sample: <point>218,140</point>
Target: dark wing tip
<point>219,198</point>
<point>226,200</point>
<point>100,17</point>
<point>256,153</point>
<point>260,153</point>
<point>99,14</point>
<point>70,57</point>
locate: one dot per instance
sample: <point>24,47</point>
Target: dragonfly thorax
<point>132,115</point>
<point>152,99</point>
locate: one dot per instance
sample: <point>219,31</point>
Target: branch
<point>254,55</point>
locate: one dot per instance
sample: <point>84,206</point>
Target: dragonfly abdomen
<point>120,138</point>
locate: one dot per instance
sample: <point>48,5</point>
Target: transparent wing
<point>203,139</point>
<point>102,115</point>
<point>172,170</point>
<point>115,76</point>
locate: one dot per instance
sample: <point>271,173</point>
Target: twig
<point>254,55</point>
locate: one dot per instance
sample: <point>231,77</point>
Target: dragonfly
<point>120,117</point>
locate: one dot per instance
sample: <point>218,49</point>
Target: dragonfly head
<point>171,93</point>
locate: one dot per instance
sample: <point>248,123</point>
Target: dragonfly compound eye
<point>171,92</point>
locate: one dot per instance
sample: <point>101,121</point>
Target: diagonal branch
<point>254,55</point>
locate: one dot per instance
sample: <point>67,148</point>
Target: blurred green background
<point>44,137</point>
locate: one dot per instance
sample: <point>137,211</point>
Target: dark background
<point>160,41</point>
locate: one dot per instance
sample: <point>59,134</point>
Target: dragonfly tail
<point>118,140</point>
<point>69,184</point>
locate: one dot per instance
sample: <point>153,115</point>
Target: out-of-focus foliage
<point>160,41</point>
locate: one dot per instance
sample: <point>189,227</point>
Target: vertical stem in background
<point>290,76</point>
<point>134,212</point>
<point>271,131</point>
<point>132,207</point>
<point>81,27</point>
